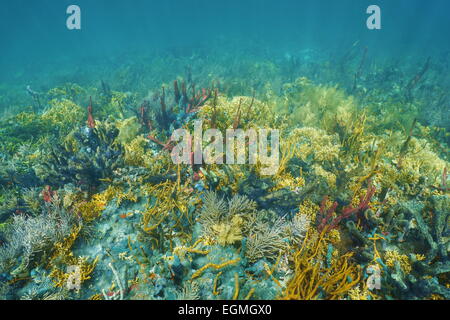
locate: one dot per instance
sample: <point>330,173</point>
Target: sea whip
<point>91,120</point>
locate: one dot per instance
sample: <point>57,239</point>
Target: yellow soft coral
<point>393,256</point>
<point>329,177</point>
<point>357,294</point>
<point>63,113</point>
<point>289,182</point>
<point>313,278</point>
<point>229,232</point>
<point>313,143</point>
<point>82,270</point>
<point>135,153</point>
<point>318,106</point>
<point>128,130</point>
<point>309,208</point>
<point>90,210</point>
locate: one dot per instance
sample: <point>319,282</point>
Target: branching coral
<point>226,222</point>
<point>229,233</point>
<point>128,130</point>
<point>266,241</point>
<point>64,114</point>
<point>169,210</point>
<point>29,238</point>
<point>83,272</point>
<point>319,106</point>
<point>89,157</point>
<point>309,143</point>
<point>314,279</point>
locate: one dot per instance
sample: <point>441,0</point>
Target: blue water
<point>34,32</point>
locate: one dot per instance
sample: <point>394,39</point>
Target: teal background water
<point>34,31</point>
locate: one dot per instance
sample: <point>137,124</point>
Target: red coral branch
<point>47,194</point>
<point>198,100</point>
<point>143,116</point>
<point>90,120</point>
<point>166,146</point>
<point>327,214</point>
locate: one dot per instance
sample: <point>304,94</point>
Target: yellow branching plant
<point>172,201</point>
<point>318,106</point>
<point>315,277</point>
<point>90,210</point>
<point>63,258</point>
<point>84,267</point>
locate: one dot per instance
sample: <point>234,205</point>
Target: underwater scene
<point>224,150</point>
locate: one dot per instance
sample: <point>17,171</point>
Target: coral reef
<point>93,207</point>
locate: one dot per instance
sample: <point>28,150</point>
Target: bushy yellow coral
<point>334,237</point>
<point>287,181</point>
<point>84,267</point>
<point>135,154</point>
<point>63,257</point>
<point>309,208</point>
<point>68,91</point>
<point>115,105</point>
<point>393,256</point>
<point>90,210</point>
<point>357,294</point>
<point>312,143</point>
<point>318,106</point>
<point>419,161</point>
<point>229,232</point>
<point>128,130</point>
<point>312,278</point>
<point>63,113</point>
<point>329,177</point>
